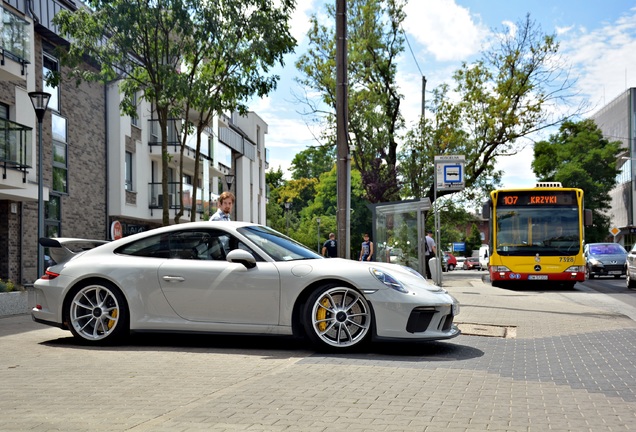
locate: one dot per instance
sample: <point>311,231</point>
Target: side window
<point>210,245</point>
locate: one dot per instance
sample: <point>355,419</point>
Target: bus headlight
<point>500,269</point>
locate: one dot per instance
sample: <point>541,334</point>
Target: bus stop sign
<point>449,172</point>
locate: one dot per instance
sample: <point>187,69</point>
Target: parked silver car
<point>630,268</point>
<point>604,259</point>
<point>238,278</point>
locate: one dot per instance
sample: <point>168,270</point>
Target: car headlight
<point>388,280</point>
<point>595,262</point>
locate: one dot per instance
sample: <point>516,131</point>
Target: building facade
<point>101,171</point>
<point>617,121</point>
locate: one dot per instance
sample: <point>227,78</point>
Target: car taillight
<point>48,275</point>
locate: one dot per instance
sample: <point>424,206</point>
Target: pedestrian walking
<point>366,251</point>
<point>430,250</point>
<point>330,247</point>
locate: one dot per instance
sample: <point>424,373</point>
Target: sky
<point>597,39</point>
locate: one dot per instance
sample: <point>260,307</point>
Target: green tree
<point>313,161</point>
<point>495,102</point>
<point>374,43</point>
<point>579,156</point>
<point>473,241</point>
<point>226,48</point>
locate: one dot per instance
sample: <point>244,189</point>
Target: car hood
<point>620,258</point>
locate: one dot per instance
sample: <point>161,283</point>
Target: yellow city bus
<point>536,235</point>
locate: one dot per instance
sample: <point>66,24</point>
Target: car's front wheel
<point>629,281</point>
<point>451,267</point>
<point>337,317</point>
<point>97,313</point>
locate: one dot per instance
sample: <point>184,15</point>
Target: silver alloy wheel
<point>94,312</point>
<point>340,317</point>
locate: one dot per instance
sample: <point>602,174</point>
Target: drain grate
<point>488,330</point>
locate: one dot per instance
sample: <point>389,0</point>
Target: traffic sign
<point>449,172</point>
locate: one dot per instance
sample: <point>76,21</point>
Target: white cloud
<point>604,58</point>
<point>448,31</point>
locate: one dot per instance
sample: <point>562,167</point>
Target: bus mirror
<point>485,210</point>
<point>588,217</point>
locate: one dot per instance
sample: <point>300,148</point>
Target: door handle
<point>173,278</point>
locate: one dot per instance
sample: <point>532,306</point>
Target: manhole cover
<point>488,330</point>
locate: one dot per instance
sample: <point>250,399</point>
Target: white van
<point>484,256</point>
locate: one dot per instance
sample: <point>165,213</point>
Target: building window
<point>128,171</point>
<point>60,161</point>
<point>4,111</point>
<point>53,216</point>
<point>135,101</point>
<point>50,66</point>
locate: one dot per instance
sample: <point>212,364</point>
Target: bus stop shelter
<point>398,232</point>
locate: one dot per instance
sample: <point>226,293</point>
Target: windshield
<point>537,230</point>
<point>276,245</point>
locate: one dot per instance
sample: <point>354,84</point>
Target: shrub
<point>6,286</point>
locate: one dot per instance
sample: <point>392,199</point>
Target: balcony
<point>15,39</point>
<point>15,147</point>
<point>157,197</point>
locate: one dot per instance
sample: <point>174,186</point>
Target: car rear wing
<point>62,249</point>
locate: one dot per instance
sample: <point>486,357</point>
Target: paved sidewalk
<point>569,367</point>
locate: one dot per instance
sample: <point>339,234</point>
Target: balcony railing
<point>15,146</point>
<point>157,197</point>
<point>173,134</point>
<point>15,38</point>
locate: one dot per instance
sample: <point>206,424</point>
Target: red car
<point>450,262</point>
<point>472,263</point>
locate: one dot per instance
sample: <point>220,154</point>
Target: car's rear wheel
<point>451,267</point>
<point>337,317</point>
<point>97,313</point>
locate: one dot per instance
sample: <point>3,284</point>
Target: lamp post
<point>40,101</point>
<point>287,207</point>
<point>229,179</point>
<point>318,223</point>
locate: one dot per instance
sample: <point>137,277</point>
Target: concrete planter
<point>14,303</point>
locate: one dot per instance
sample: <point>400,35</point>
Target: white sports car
<point>233,277</point>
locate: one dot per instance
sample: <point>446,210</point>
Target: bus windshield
<point>545,230</point>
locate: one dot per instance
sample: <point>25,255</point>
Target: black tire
<point>97,313</point>
<point>629,282</point>
<point>337,318</point>
<point>451,267</point>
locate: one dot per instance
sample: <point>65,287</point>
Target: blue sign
<point>459,247</point>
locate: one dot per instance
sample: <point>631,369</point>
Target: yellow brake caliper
<point>111,323</point>
<point>322,314</point>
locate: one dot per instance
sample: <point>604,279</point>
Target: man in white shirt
<point>226,201</point>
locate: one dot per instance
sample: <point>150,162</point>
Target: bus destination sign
<point>536,198</point>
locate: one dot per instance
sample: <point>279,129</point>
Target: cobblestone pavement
<point>569,365</point>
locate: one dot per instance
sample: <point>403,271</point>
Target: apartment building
<point>101,171</point>
<point>617,121</point>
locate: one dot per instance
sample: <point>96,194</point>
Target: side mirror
<point>587,217</point>
<point>241,256</point>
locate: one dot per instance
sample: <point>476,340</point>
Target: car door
<point>631,260</point>
<point>202,285</point>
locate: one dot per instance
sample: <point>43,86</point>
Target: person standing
<point>330,247</point>
<point>430,250</point>
<point>366,251</point>
<point>226,202</point>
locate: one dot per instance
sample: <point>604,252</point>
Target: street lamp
<point>40,101</point>
<point>318,223</point>
<point>287,207</point>
<point>229,179</point>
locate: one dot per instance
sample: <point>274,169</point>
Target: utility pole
<point>342,118</point>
